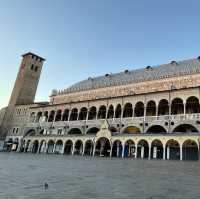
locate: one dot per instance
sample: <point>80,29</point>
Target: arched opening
<point>74,131</point>
<point>39,115</point>
<point>192,105</point>
<point>78,147</point>
<point>185,128</point>
<point>131,130</point>
<point>117,148</point>
<point>50,146</point>
<point>46,115</point>
<point>118,111</point>
<point>103,147</point>
<point>102,112</point>
<point>27,146</point>
<point>110,112</point>
<point>42,147</point>
<point>151,108</point>
<point>30,132</point>
<point>83,114</point>
<point>92,131</point>
<point>58,115</point>
<point>65,115</point>
<point>92,113</point>
<point>172,150</point>
<point>163,107</point>
<point>139,109</point>
<point>35,146</point>
<point>157,149</point>
<point>128,110</point>
<point>177,106</point>
<point>68,147</point>
<point>58,147</point>
<point>113,129</point>
<point>51,116</point>
<point>156,129</point>
<point>129,150</point>
<point>190,150</point>
<point>74,114</point>
<point>143,149</point>
<point>88,147</point>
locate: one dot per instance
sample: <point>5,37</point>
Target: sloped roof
<point>172,69</point>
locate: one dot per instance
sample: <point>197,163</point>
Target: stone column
<point>136,150</point>
<point>155,152</point>
<point>168,152</point>
<point>54,147</point>
<point>111,146</point>
<point>123,148</point>
<point>87,116</point>
<point>184,108</point>
<point>97,114</point>
<point>149,156</point>
<point>83,150</point>
<point>117,149</point>
<point>145,112</point>
<point>63,149</point>
<point>93,152</point>
<point>142,152</point>
<point>78,115</point>
<point>122,113</point>
<point>107,108</point>
<point>69,115</point>
<point>181,152</point>
<point>164,151</point>
<point>73,148</point>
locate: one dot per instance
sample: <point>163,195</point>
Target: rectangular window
<point>59,131</point>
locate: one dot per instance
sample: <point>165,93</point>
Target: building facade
<point>153,112</point>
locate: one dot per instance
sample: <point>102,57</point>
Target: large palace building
<point>152,113</point>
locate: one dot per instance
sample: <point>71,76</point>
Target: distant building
<point>153,112</point>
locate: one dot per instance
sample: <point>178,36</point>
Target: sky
<point>87,38</point>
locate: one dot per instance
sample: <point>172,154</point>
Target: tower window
<point>36,68</point>
<point>32,67</point>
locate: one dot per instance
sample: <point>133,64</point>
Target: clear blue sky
<point>82,38</point>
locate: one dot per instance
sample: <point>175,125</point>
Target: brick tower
<point>24,89</point>
<point>27,80</point>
